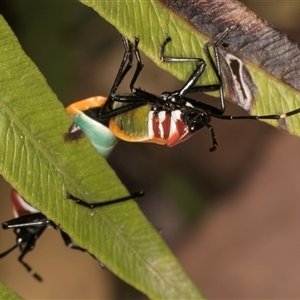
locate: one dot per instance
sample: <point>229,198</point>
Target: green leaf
<point>8,294</point>
<point>37,161</point>
<point>268,59</point>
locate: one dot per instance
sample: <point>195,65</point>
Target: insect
<point>141,116</point>
<point>29,224</point>
<point>169,118</point>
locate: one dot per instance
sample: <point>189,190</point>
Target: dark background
<point>232,217</point>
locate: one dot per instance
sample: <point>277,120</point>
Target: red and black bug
<point>165,119</point>
<point>29,224</point>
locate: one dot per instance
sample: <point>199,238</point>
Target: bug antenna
<point>213,138</point>
<point>8,251</point>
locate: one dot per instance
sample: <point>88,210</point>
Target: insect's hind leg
<point>165,58</point>
<point>189,86</point>
<point>139,65</point>
<point>28,268</point>
<point>216,64</point>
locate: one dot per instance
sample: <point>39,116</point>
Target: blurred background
<point>232,217</point>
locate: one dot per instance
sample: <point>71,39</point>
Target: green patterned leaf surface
<point>37,162</point>
<point>7,294</point>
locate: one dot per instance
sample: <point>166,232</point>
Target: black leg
<point>213,138</point>
<point>69,243</point>
<point>139,65</point>
<point>165,58</point>
<point>121,110</point>
<point>265,117</point>
<point>123,70</point>
<point>104,203</point>
<point>8,251</point>
<point>127,57</point>
<point>28,229</point>
<point>189,86</point>
<point>216,65</point>
<point>28,268</point>
<point>190,83</point>
<point>29,245</point>
<point>195,75</point>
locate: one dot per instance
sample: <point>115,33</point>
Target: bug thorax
<point>24,235</point>
<point>172,100</point>
<point>166,96</point>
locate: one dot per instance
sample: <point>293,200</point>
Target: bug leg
<point>273,117</point>
<point>120,110</point>
<point>165,58</point>
<point>139,65</point>
<point>264,117</point>
<point>138,99</point>
<point>104,203</point>
<point>213,138</point>
<point>123,70</point>
<point>189,86</point>
<point>28,246</point>
<point>28,229</point>
<point>290,113</point>
<point>27,267</point>
<point>8,251</point>
<point>219,39</point>
<point>140,94</point>
<point>193,80</point>
<point>69,243</point>
<point>127,57</point>
<point>216,64</point>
